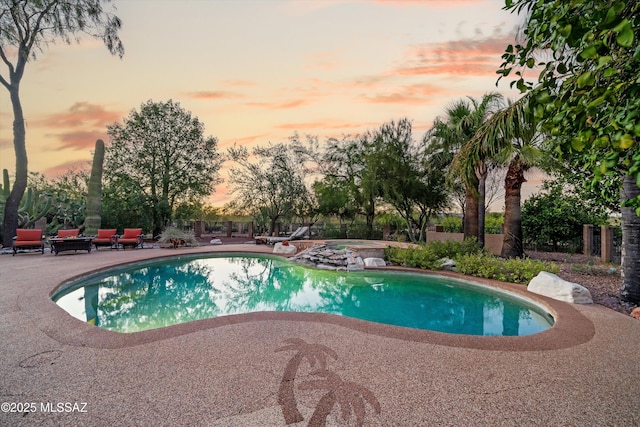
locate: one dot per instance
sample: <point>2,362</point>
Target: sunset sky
<point>256,71</point>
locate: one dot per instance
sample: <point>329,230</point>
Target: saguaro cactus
<point>94,197</point>
<point>33,205</point>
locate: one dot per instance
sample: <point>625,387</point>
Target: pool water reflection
<point>171,291</point>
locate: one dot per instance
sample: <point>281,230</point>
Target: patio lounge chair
<point>105,237</point>
<point>296,235</point>
<point>130,237</point>
<point>28,239</point>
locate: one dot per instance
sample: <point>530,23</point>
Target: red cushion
<point>62,234</point>
<point>19,243</point>
<point>131,233</point>
<point>29,235</point>
<point>106,233</point>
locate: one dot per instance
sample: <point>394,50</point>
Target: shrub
<point>512,270</point>
<point>451,224</point>
<point>470,259</point>
<point>177,237</point>
<point>452,249</point>
<point>493,223</point>
<point>418,256</point>
<point>426,256</point>
<point>553,219</point>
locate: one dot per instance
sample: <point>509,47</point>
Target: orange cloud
<point>6,142</point>
<point>432,3</point>
<point>78,140</point>
<point>63,168</point>
<point>278,105</point>
<point>325,61</point>
<point>79,126</point>
<point>239,83</point>
<point>246,140</point>
<point>413,94</point>
<point>211,95</point>
<point>343,126</point>
<point>80,114</point>
<point>477,57</point>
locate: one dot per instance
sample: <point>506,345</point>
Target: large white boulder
<point>552,286</point>
<point>374,262</point>
<point>447,264</point>
<point>288,249</point>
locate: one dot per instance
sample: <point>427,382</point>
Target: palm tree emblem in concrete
<point>314,353</point>
<point>350,397</point>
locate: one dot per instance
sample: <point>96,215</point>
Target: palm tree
<point>510,138</point>
<point>453,132</point>
<point>630,242</point>
<point>349,396</point>
<point>313,353</point>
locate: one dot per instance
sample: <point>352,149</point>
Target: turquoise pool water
<point>170,291</point>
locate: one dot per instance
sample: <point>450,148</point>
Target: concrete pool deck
<point>270,369</point>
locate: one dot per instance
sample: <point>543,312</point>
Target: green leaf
<point>589,53</point>
<point>626,141</point>
<point>562,68</point>
<point>610,18</point>
<point>603,60</point>
<point>585,79</point>
<point>566,31</point>
<point>625,33</point>
<point>577,144</point>
<point>596,102</point>
<point>543,97</point>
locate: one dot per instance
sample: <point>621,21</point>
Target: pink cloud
<point>472,57</point>
<point>6,142</point>
<point>247,139</point>
<point>278,105</point>
<point>343,126</point>
<point>78,140</point>
<point>63,168</point>
<point>239,83</point>
<point>211,95</point>
<point>413,94</point>
<point>325,61</point>
<point>78,127</point>
<point>80,114</point>
<point>432,3</point>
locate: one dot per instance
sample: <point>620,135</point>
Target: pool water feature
<point>165,292</point>
<point>365,248</point>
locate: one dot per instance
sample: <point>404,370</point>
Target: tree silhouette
<point>314,353</point>
<point>349,396</point>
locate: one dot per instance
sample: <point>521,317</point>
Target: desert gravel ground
<point>603,280</point>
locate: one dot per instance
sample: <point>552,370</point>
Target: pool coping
<point>571,327</point>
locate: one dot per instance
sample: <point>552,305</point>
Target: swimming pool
<point>165,292</point>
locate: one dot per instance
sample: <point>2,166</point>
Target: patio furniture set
<point>72,240</point>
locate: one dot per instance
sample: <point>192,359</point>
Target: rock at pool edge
<point>552,286</point>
